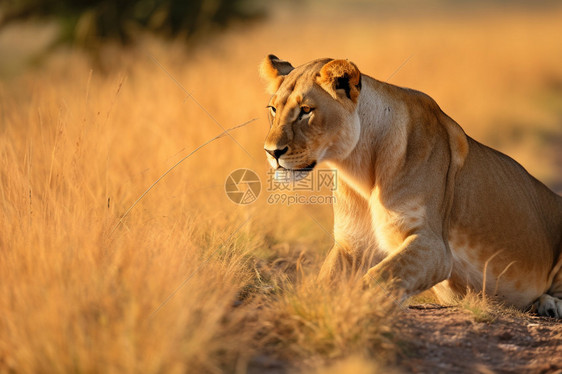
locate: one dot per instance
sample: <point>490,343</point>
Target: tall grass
<point>311,322</point>
<point>190,281</point>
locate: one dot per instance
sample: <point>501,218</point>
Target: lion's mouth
<point>293,175</point>
<point>308,167</point>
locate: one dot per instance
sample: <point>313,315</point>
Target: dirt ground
<point>441,339</point>
<point>448,340</point>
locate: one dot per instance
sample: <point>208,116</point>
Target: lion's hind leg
<point>550,304</point>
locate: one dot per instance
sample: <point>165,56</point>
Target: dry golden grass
<point>484,309</point>
<point>180,286</point>
<point>354,365</point>
<point>311,322</point>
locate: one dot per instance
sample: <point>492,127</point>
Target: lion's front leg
<point>422,261</point>
<point>354,247</point>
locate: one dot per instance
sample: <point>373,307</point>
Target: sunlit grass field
<point>189,281</point>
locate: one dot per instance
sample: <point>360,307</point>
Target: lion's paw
<point>549,306</point>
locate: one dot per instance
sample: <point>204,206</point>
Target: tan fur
<point>419,203</point>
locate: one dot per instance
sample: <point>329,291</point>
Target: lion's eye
<point>272,110</point>
<point>305,110</point>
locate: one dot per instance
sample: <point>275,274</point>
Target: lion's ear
<point>273,70</point>
<point>341,77</point>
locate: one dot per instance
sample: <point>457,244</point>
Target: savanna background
<point>184,280</point>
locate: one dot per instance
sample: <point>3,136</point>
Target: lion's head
<point>312,113</point>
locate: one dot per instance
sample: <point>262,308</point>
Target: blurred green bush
<point>89,22</point>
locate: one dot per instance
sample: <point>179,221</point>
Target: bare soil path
<point>441,339</point>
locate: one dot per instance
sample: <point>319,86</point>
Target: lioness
<point>418,202</point>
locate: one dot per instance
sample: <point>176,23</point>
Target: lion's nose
<point>277,152</point>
